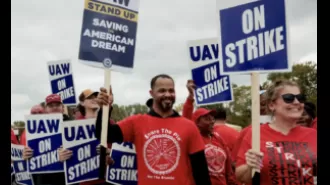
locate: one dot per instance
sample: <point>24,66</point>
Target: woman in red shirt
<point>288,151</point>
<point>216,151</point>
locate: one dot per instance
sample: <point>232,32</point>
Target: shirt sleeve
<point>127,128</point>
<point>196,142</point>
<point>13,137</point>
<point>188,108</point>
<point>244,147</point>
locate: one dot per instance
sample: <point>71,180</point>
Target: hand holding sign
<point>108,160</point>
<point>254,159</point>
<point>27,153</point>
<point>64,154</point>
<point>103,98</point>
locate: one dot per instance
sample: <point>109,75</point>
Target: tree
<point>19,124</point>
<point>123,111</point>
<point>239,111</point>
<point>305,75</point>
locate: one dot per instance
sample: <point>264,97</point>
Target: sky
<point>43,31</point>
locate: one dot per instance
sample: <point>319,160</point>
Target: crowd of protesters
<point>208,151</point>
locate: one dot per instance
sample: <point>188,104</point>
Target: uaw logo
<point>107,62</point>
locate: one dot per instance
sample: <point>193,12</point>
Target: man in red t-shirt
<point>169,147</point>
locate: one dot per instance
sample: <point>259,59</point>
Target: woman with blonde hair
<point>288,151</point>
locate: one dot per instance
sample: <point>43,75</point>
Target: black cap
<point>149,102</point>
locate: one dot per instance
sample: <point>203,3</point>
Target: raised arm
<point>188,106</point>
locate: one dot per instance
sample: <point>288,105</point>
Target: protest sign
<point>212,86</point>
<point>124,170</point>
<point>79,137</point>
<point>253,37</point>
<point>61,80</point>
<point>19,166</point>
<point>44,138</point>
<point>108,35</point>
<point>12,172</point>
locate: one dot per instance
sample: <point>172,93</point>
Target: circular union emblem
<point>107,62</point>
<point>161,154</point>
<point>216,158</point>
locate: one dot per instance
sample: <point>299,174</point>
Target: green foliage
<point>19,124</point>
<point>239,111</point>
<point>305,75</point>
<point>240,108</point>
<point>121,112</point>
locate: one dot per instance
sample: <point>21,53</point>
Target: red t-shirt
<point>228,134</point>
<point>13,138</point>
<point>314,124</point>
<point>218,160</point>
<point>288,159</point>
<point>163,146</point>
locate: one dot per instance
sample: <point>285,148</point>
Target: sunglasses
<point>289,98</point>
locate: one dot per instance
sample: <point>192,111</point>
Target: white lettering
<point>263,44</point>
<point>84,167</point>
<point>123,174</point>
<point>45,145</point>
<point>253,20</point>
<point>66,93</point>
<point>212,89</point>
<point>306,171</point>
<point>43,160</point>
<point>61,84</point>
<point>108,46</point>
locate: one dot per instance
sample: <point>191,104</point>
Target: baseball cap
<point>149,102</point>
<point>202,112</point>
<point>53,98</point>
<point>87,93</point>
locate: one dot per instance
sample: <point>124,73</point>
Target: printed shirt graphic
<point>163,146</point>
<point>218,160</point>
<point>288,159</point>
